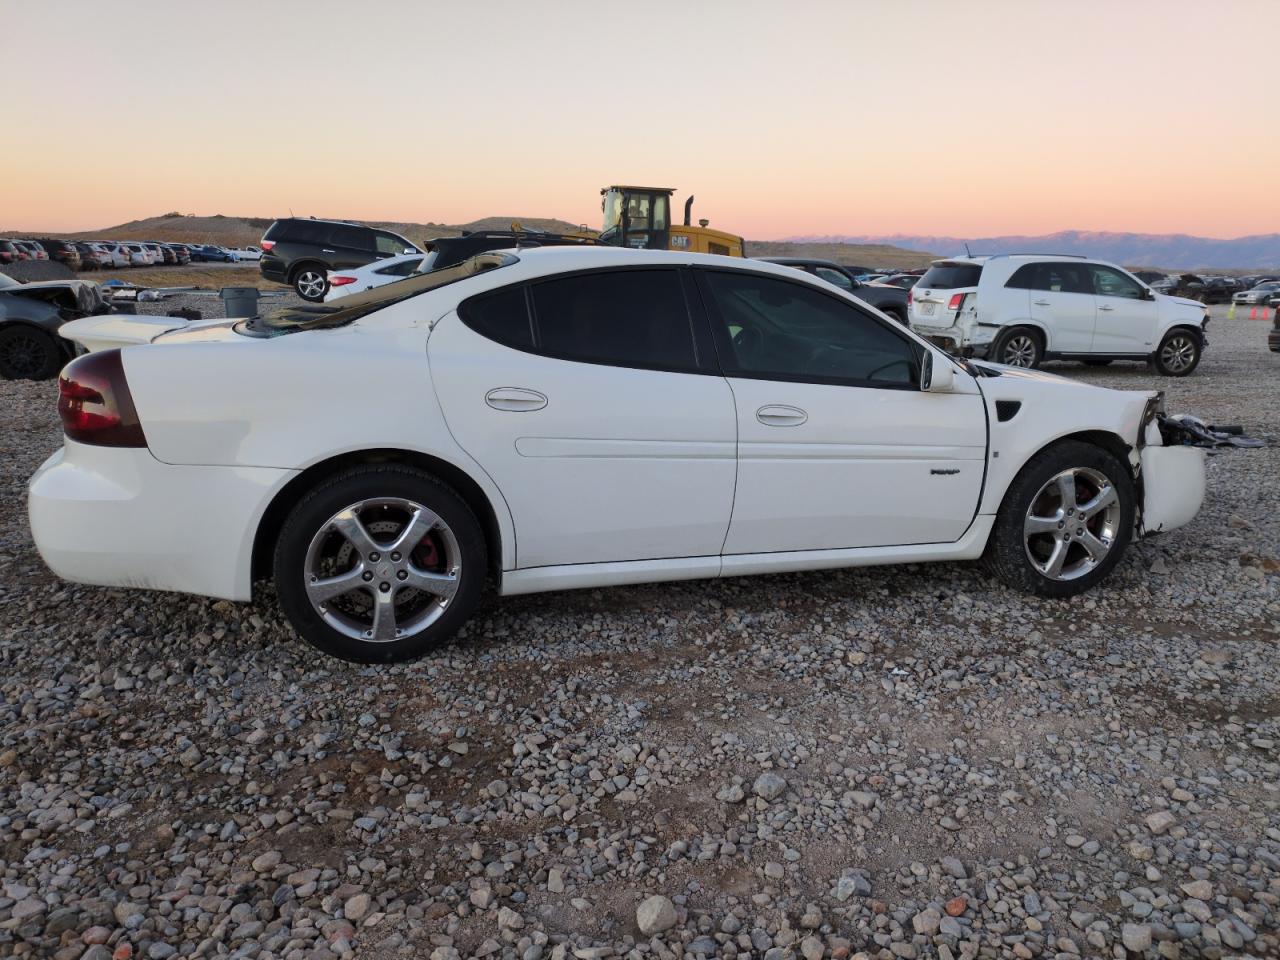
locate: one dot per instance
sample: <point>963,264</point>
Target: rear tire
<point>1018,347</point>
<point>28,353</point>
<point>1065,521</point>
<point>311,282</point>
<point>380,563</point>
<point>1178,354</point>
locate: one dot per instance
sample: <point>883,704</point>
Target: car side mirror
<point>1148,293</point>
<point>937,375</point>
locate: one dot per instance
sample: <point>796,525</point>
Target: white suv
<point>1021,309</point>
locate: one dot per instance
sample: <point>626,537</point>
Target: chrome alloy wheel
<point>1072,523</point>
<point>382,570</point>
<point>1178,353</point>
<point>1019,351</point>
<point>310,284</point>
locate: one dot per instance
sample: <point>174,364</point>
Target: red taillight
<point>340,281</point>
<point>910,297</point>
<point>95,404</point>
<point>955,301</point>
<point>267,244</point>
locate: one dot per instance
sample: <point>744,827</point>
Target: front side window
<point>834,276</point>
<point>391,245</point>
<point>794,332</point>
<point>1110,282</point>
<point>627,318</point>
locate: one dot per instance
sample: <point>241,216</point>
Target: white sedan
<point>343,283</point>
<point>565,417</point>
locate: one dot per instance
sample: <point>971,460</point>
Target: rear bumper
<point>118,517</point>
<point>1173,483</point>
<point>272,268</point>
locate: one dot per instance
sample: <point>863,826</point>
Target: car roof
<point>553,259</point>
<point>810,261</point>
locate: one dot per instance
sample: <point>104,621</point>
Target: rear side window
<point>353,238</point>
<point>401,269</point>
<point>949,276</point>
<point>1052,278</point>
<point>300,231</point>
<point>502,316</point>
<point>632,318</point>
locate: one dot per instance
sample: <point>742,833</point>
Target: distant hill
<point>847,253</point>
<point>245,231</point>
<point>1175,251</point>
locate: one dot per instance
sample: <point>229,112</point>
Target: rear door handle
<point>1041,303</point>
<point>515,399</point>
<point>781,415</point>
<point>1105,307</point>
<point>328,251</point>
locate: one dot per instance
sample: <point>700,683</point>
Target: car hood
<point>1051,395</point>
<point>1180,301</point>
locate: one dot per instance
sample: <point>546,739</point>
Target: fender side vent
<point>1006,410</point>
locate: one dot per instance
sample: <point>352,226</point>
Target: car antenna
<point>966,251</point>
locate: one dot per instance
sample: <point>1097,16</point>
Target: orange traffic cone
<point>1253,313</point>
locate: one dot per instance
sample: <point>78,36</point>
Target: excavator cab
<point>637,217</point>
<point>640,218</point>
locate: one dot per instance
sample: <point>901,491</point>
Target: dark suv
<point>301,252</point>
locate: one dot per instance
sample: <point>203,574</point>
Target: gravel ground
<point>900,762</point>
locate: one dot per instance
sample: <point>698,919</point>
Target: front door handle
<point>1041,303</point>
<point>1105,307</point>
<point>328,251</point>
<point>515,399</point>
<point>781,415</point>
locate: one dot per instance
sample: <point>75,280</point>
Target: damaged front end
<point>1170,474</point>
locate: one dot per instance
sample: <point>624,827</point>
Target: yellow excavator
<point>640,217</point>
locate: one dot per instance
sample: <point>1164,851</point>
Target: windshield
<point>612,205</point>
<point>318,316</point>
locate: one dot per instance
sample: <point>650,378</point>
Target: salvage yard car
<point>561,417</point>
<point>1023,309</point>
<point>30,317</point>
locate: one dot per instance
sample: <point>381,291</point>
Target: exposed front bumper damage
<point>1173,484</point>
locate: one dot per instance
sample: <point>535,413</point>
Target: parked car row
<point>81,255</point>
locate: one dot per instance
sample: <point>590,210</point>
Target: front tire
<point>1018,347</point>
<point>380,563</point>
<point>1178,354</point>
<point>1065,521</point>
<point>28,353</point>
<point>311,283</point>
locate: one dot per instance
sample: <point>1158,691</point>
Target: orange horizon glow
<point>910,117</point>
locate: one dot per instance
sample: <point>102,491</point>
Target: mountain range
<point>1174,251</point>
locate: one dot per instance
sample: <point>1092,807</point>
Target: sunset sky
<point>910,116</point>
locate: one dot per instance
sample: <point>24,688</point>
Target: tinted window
<point>1109,282</point>
<point>353,238</point>
<point>949,276</point>
<point>633,318</point>
<point>1052,278</point>
<point>833,276</point>
<point>401,269</point>
<point>776,328</point>
<point>502,316</point>
<point>305,231</point>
